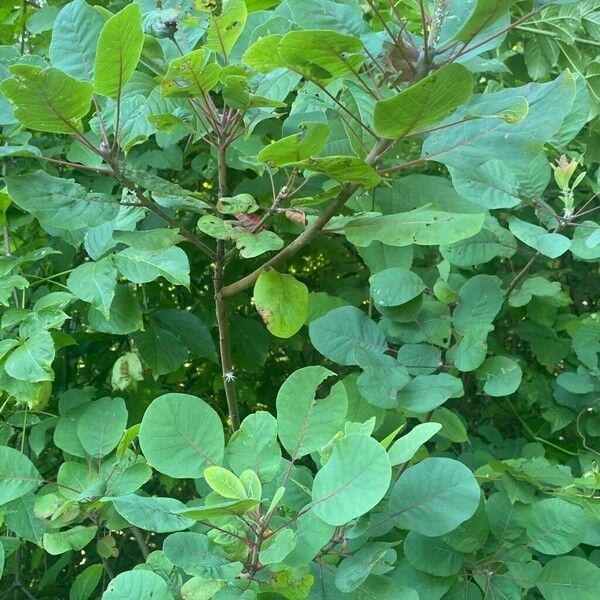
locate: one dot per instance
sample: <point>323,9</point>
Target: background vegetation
<point>367,230</point>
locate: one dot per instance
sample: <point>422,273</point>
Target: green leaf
<point>298,147</point>
<point>160,349</point>
<point>95,282</point>
<point>353,480</point>
<point>480,140</point>
<point>281,301</point>
<point>307,420</point>
<point>181,435</point>
<point>484,14</point>
<point>341,331</point>
<point>101,426</point>
<point>251,245</point>
<point>254,446</point>
<point>426,392</point>
<point>225,29</point>
<point>480,300</point>
<point>153,239</point>
<point>501,375</point>
<point>321,55</point>
<point>152,514</point>
<point>224,482</point>
<point>483,247</point>
<point>552,245</point>
<point>231,205</point>
<point>492,185</point>
<point>86,582</point>
<point>219,509</point>
<point>196,554</point>
<point>354,570</point>
<point>125,314</point>
<point>47,99</point>
<point>382,378</point>
<point>345,17</point>
<point>18,475</point>
<point>434,497</point>
<point>407,446</point>
<point>137,584</point>
<point>59,202</point>
<point>555,526</point>
<point>431,555</point>
<point>453,428</point>
<point>424,103</point>
<point>277,547</point>
<point>25,150</point>
<point>190,328</point>
<point>74,39</point>
<point>423,226</point>
<point>76,538</point>
<point>142,266</point>
<point>346,169</point>
<point>251,483</point>
<point>395,286</point>
<point>569,577</point>
<point>263,54</point>
<point>190,76</point>
<point>32,359</point>
<point>119,49</point>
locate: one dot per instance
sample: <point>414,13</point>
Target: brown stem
<point>227,368</point>
<point>310,232</point>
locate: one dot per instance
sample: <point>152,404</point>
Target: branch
<point>221,305</point>
<point>72,165</point>
<point>310,232</point>
<point>502,31</point>
<point>425,31</point>
<point>147,203</point>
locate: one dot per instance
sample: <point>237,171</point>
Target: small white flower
<point>229,377</point>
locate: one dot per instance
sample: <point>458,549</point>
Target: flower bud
<point>563,171</point>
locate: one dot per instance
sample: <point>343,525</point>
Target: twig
<point>464,49</point>
<point>72,165</point>
<point>221,306</point>
<point>553,35</point>
<point>425,31</point>
<point>310,232</point>
<point>147,203</point>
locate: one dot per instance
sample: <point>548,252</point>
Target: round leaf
<point>225,483</point>
<point>18,475</point>
<point>137,584</point>
<point>181,435</point>
<point>305,421</point>
<point>502,376</point>
<point>353,480</point>
<point>434,497</point>
<point>281,302</point>
<point>569,578</point>
<point>102,425</point>
<point>337,334</point>
<point>555,526</point>
<point>395,286</point>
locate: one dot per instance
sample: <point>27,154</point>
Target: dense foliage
<point>299,299</point>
